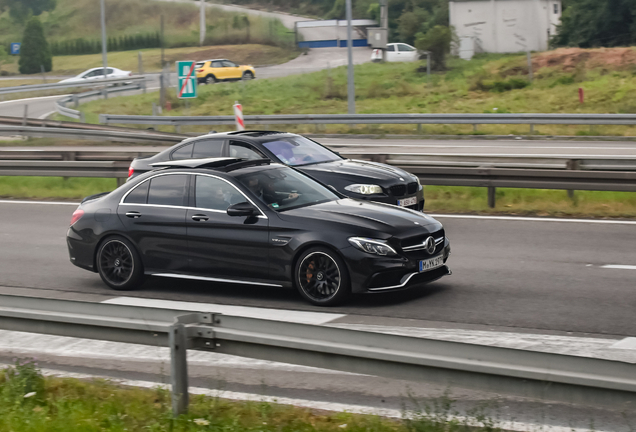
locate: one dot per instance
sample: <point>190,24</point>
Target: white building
<point>503,26</point>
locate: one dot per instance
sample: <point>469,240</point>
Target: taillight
<point>200,70</point>
<point>131,171</point>
<point>77,215</point>
<point>129,73</point>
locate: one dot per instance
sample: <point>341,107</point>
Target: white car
<point>98,73</point>
<point>396,52</point>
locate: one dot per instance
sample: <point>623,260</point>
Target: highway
<point>543,276</point>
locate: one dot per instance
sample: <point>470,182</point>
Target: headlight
<point>372,246</point>
<point>364,189</point>
<point>419,185</point>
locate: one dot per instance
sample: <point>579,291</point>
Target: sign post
<point>187,88</point>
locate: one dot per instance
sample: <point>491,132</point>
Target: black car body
<point>357,179</point>
<point>192,221</point>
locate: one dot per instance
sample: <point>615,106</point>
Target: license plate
<point>431,263</point>
<point>407,202</point>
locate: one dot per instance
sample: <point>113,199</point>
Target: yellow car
<point>211,71</point>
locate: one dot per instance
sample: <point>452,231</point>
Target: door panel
<point>221,245</point>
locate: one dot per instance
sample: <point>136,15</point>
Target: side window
<point>229,64</point>
<point>138,195</point>
<point>207,149</point>
<point>244,151</point>
<point>217,64</point>
<point>109,71</point>
<point>215,194</point>
<point>184,152</point>
<point>390,48</point>
<point>89,74</point>
<point>168,190</point>
<point>98,72</point>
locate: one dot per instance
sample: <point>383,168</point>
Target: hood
<point>383,220</point>
<point>358,171</point>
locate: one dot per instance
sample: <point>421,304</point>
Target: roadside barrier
<point>533,374</point>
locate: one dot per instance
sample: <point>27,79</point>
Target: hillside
<point>73,19</point>
<point>486,84</point>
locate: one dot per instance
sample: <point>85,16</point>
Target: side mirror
<point>242,209</point>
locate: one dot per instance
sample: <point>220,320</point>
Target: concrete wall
<point>503,26</point>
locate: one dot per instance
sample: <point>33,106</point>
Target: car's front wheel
<point>321,277</point>
<point>119,264</point>
<point>248,76</point>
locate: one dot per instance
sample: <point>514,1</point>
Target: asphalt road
<point>537,275</point>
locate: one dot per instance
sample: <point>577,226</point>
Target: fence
<point>353,119</point>
<point>60,104</point>
<point>547,376</point>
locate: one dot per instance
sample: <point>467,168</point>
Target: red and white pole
<point>238,116</point>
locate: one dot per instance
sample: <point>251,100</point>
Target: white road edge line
<point>619,267</point>
<point>305,403</point>
<point>44,116</point>
<point>534,219</point>
<point>435,215</point>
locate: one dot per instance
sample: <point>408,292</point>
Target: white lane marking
<point>318,405</point>
<point>39,202</point>
<point>43,116</point>
<point>627,343</point>
<point>242,311</point>
<point>359,145</point>
<point>619,267</point>
<point>534,219</point>
<point>33,98</point>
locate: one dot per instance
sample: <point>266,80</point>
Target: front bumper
<point>372,273</point>
<point>387,199</point>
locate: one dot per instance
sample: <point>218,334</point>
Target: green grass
<point>32,403</point>
<point>439,199</point>
<point>401,88</point>
<point>53,187</point>
<point>73,19</point>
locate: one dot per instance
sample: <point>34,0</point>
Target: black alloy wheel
<point>322,277</point>
<point>248,76</point>
<point>210,79</point>
<point>119,265</point>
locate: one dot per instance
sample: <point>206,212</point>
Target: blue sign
<point>15,48</point>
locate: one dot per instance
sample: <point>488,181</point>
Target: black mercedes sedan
<point>369,181</point>
<point>253,222</point>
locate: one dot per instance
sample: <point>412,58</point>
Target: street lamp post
<point>351,91</point>
<point>104,45</point>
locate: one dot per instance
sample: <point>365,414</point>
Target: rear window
<point>168,190</point>
<point>138,195</point>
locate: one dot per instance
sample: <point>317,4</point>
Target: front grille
<point>398,190</point>
<point>412,188</point>
<point>420,239</point>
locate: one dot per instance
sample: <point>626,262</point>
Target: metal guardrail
<point>138,136</point>
<point>59,86</point>
<point>100,169</point>
<point>60,104</point>
<point>546,376</point>
<point>417,119</point>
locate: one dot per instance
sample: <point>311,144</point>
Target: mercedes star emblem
<point>429,244</point>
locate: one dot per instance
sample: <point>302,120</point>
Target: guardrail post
<point>75,100</point>
<point>474,128</point>
<point>572,164</point>
<point>178,368</point>
<point>492,192</point>
<point>105,93</point>
<point>82,118</point>
<point>419,129</point>
<point>26,115</point>
<point>531,129</point>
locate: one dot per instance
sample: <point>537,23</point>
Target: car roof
<point>254,135</point>
<point>203,61</point>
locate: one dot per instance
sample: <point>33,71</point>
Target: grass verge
<point>30,402</point>
<point>439,199</point>
<point>487,84</point>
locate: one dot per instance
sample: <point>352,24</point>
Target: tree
<point>35,51</point>
<point>22,9</point>
<point>593,23</point>
<point>438,42</point>
<point>5,58</point>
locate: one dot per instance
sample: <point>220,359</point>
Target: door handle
<point>133,214</point>
<point>199,217</point>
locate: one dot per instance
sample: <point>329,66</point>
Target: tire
<point>321,277</point>
<point>248,76</point>
<point>210,79</point>
<point>119,264</point>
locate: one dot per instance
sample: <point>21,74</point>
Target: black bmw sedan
<point>369,181</point>
<point>254,223</point>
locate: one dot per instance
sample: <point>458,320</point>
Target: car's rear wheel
<point>321,277</point>
<point>248,76</point>
<point>210,79</point>
<point>119,264</point>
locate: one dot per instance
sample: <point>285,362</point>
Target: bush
<point>35,52</point>
<point>498,86</point>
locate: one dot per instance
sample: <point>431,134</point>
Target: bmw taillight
<point>131,171</point>
<point>77,215</point>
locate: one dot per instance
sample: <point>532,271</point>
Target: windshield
<point>299,150</point>
<point>283,188</point>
